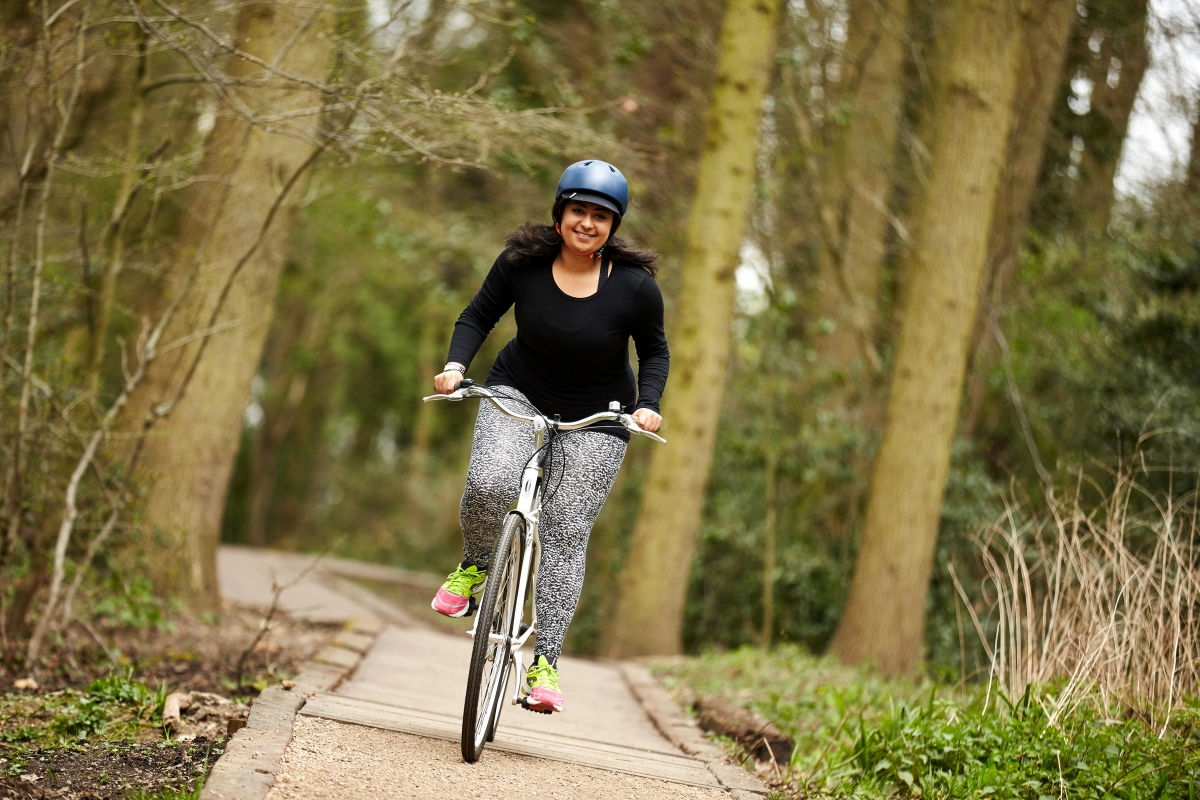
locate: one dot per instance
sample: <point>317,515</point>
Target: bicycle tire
<point>518,553</point>
<point>494,615</point>
<point>494,721</point>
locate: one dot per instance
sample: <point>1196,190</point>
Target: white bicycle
<point>512,576</point>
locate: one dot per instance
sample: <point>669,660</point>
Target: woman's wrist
<point>454,366</point>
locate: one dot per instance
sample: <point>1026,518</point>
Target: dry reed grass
<point>1102,604</point>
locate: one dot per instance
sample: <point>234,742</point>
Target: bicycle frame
<point>529,506</point>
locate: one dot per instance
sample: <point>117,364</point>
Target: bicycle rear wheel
<point>488,674</point>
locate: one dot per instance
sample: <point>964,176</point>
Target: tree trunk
<point>1192,181</point>
<point>303,459</point>
<point>649,617</point>
<point>113,242</point>
<point>189,456</point>
<point>770,523</point>
<point>972,102</point>
<point>429,355</point>
<point>1108,119</point>
<point>16,625</point>
<point>28,117</point>
<point>276,425</point>
<point>847,291</point>
<point>1039,82</point>
<point>301,324</point>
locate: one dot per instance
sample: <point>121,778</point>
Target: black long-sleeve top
<point>571,354</point>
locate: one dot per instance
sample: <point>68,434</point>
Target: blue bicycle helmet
<point>595,182</point>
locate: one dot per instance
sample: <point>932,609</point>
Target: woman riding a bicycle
<point>580,294</point>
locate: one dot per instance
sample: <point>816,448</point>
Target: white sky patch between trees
<point>1159,141</point>
<point>753,278</point>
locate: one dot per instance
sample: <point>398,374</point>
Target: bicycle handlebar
<point>467,388</point>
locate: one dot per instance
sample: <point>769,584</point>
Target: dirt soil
<point>111,770</point>
<point>187,654</point>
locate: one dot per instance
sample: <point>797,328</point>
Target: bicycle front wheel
<point>487,678</point>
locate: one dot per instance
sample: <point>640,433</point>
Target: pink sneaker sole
<point>451,605</point>
<point>545,700</point>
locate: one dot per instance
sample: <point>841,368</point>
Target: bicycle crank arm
<point>518,659</point>
<point>527,631</point>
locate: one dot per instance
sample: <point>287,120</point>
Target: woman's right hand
<point>448,381</point>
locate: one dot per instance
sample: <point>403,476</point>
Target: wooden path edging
<point>681,731</point>
<point>254,755</point>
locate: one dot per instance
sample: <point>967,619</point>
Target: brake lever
<point>631,425</point>
<point>458,394</point>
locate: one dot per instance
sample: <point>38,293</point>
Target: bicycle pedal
<point>524,703</point>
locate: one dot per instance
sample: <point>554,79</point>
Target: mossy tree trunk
<point>649,616</point>
<point>1192,180</point>
<point>770,529</point>
<point>1116,80</point>
<point>1039,84</point>
<point>287,375</point>
<point>859,186</point>
<point>972,102</point>
<point>188,457</point>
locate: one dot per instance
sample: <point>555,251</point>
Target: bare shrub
<point>103,139</point>
<point>1100,602</point>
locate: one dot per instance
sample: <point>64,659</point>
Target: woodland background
<point>931,270</point>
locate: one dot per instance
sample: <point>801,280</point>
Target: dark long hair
<point>536,243</point>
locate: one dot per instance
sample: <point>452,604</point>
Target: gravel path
<point>334,760</point>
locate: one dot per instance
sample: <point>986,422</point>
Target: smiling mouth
<point>585,235</point>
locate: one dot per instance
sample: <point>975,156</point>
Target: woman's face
<point>585,226</point>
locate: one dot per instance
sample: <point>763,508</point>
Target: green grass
<point>134,604</point>
<point>167,793</point>
<point>112,708</point>
<point>858,736</point>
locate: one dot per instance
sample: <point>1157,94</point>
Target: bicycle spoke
<point>498,648</point>
<point>490,662</point>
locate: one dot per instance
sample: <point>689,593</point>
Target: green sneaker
<point>456,598</point>
<point>544,695</point>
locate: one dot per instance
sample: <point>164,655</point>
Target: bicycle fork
<point>529,505</point>
<point>528,570</point>
<point>529,565</point>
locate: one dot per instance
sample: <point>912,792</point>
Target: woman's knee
<point>486,490</point>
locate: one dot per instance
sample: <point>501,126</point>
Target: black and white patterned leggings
<point>585,464</point>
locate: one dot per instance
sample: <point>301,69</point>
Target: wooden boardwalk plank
<point>427,670</point>
<point>673,767</point>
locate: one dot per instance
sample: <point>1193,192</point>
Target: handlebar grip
<point>466,383</point>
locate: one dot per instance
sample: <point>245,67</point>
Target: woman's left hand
<point>647,420</point>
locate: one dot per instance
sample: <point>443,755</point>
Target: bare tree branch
<point>16,489</point>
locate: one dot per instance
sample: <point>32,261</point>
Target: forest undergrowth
<point>1087,615</point>
<point>91,724</point>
